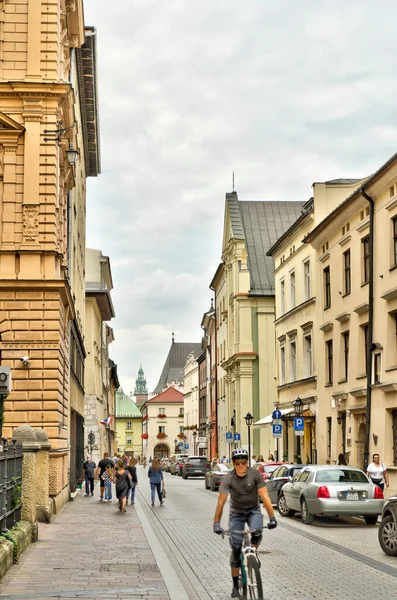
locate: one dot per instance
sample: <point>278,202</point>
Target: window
<point>161,411</point>
<point>329,364</point>
<point>327,287</point>
<point>161,429</point>
<point>377,367</point>
<point>394,241</point>
<point>346,273</point>
<point>182,411</point>
<point>329,436</point>
<point>292,361</point>
<point>282,365</point>
<point>292,289</point>
<point>346,339</point>
<point>306,268</point>
<point>129,439</point>
<point>391,191</point>
<point>282,297</point>
<point>307,357</point>
<point>365,255</point>
<point>129,424</point>
<point>181,429</point>
<point>365,343</point>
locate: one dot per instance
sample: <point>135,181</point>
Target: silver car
<point>325,490</point>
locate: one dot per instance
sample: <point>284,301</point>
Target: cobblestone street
<point>92,552</point>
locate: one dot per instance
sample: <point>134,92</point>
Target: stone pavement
<point>92,552</point>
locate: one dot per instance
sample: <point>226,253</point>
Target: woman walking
<point>377,472</point>
<point>156,479</point>
<point>123,483</point>
<point>132,471</point>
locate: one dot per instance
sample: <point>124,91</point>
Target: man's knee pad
<point>256,538</point>
<point>235,557</point>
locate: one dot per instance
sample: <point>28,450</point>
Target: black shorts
<point>102,481</point>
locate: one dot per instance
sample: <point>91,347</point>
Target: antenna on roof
<point>173,338</point>
<point>233,180</point>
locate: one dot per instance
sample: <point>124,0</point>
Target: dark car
<point>387,532</point>
<point>195,466</point>
<point>214,477</point>
<point>278,478</point>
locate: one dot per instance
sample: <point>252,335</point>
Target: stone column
<point>43,505</point>
<point>25,435</point>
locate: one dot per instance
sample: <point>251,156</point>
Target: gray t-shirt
<point>89,467</point>
<point>243,490</point>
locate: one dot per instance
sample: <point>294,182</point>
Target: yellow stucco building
<point>128,425</point>
<point>245,307</point>
<point>48,106</point>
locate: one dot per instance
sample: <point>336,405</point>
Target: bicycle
<point>250,573</point>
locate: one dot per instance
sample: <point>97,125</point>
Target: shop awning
<point>269,419</point>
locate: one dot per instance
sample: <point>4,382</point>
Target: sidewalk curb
<point>175,588</point>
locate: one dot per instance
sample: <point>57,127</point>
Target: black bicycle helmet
<point>239,453</point>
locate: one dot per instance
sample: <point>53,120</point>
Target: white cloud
<point>283,93</point>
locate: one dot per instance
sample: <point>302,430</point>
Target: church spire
<point>140,384</point>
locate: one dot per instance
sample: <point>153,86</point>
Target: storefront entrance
<point>161,451</point>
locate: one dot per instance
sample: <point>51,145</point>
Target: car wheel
<point>371,519</point>
<point>307,517</point>
<point>283,508</point>
<point>387,535</point>
<point>213,488</point>
<point>186,477</point>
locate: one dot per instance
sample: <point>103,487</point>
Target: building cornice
<point>295,310</point>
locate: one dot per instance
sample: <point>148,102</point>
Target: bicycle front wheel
<point>254,583</point>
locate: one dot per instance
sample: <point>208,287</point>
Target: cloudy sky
<point>282,92</point>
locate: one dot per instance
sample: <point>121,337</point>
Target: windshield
<point>341,476</point>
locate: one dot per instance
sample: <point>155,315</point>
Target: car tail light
<point>378,494</point>
<point>323,492</point>
<point>207,465</point>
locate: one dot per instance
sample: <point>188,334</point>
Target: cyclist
<point>243,484</point>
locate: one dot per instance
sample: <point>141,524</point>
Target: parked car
<point>174,465</point>
<point>387,532</point>
<point>319,490</point>
<point>214,477</point>
<point>279,478</point>
<point>266,469</point>
<point>195,466</point>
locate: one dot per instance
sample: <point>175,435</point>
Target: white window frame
<point>282,364</point>
<point>292,363</point>
<point>374,355</point>
<point>161,411</point>
<point>308,355</point>
<point>292,288</point>
<point>129,425</point>
<point>307,276</point>
<point>282,297</point>
<point>129,440</point>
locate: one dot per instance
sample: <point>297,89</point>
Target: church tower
<point>140,392</point>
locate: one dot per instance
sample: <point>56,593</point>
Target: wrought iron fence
<point>10,484</point>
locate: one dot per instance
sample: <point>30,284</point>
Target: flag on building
<point>106,421</point>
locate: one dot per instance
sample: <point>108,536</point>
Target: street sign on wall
<point>229,437</point>
<point>237,437</point>
<point>276,414</point>
<point>186,446</point>
<point>180,444</point>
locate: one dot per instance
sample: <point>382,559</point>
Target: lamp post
<point>249,419</point>
<point>194,441</point>
<point>297,404</point>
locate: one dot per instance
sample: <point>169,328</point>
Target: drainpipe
<point>370,327</point>
<point>215,358</point>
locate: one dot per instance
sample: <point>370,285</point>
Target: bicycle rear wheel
<point>254,584</point>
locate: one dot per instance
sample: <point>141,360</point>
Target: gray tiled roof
<point>342,181</point>
<point>260,224</point>
<point>173,370</point>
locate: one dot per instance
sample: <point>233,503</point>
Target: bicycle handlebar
<point>230,531</point>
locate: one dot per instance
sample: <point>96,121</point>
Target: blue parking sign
<point>180,444</point>
<point>186,446</point>
<point>277,429</point>
<point>299,425</point>
<point>237,437</point>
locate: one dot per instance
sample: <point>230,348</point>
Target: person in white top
<point>377,472</point>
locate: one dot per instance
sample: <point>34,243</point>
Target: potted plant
<point>161,435</point>
<point>180,436</point>
<point>144,436</point>
<point>161,416</point>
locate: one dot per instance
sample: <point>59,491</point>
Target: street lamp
<point>297,404</point>
<point>194,441</point>
<point>249,419</point>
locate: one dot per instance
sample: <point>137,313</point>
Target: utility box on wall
<point>5,380</point>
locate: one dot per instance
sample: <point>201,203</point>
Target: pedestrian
<point>260,458</point>
<point>270,457</point>
<point>102,465</point>
<point>224,460</point>
<point>123,484</point>
<point>150,460</point>
<point>89,474</point>
<point>134,481</point>
<point>342,460</point>
<point>108,480</point>
<point>377,472</point>
<point>115,459</point>
<point>156,479</point>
